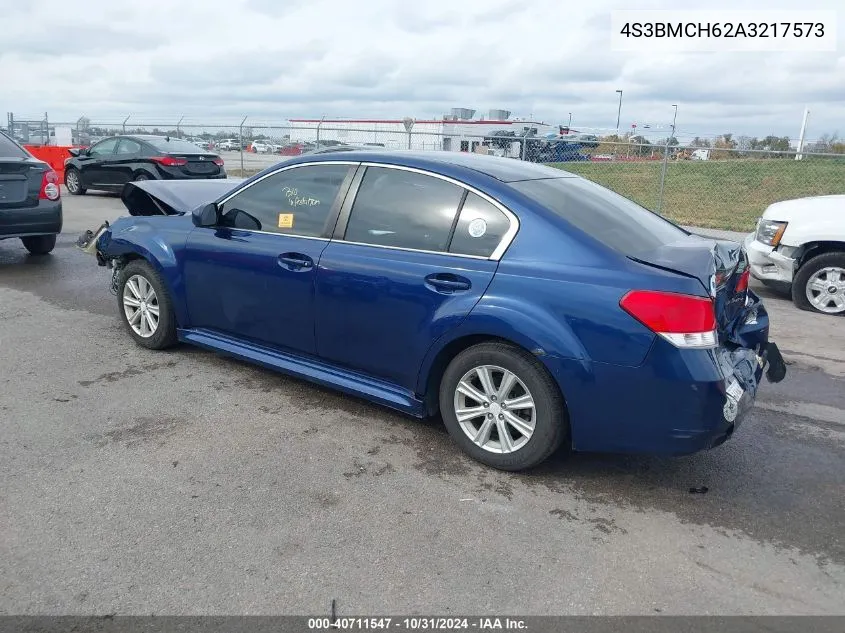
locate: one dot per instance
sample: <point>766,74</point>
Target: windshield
<point>174,145</point>
<point>603,214</point>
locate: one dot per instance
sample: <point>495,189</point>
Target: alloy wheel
<point>495,409</point>
<point>140,305</point>
<point>826,290</point>
<point>72,181</point>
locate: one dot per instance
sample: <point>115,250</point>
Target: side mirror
<point>205,215</point>
<point>74,151</point>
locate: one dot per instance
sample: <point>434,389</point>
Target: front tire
<point>502,407</point>
<point>819,284</point>
<point>73,182</point>
<point>145,306</point>
<point>141,177</point>
<point>39,244</point>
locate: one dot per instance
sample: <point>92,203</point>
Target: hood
<point>820,218</point>
<point>172,197</point>
<point>817,208</point>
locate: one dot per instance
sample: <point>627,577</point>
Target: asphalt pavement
<point>182,482</point>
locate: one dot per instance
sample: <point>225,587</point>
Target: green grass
<point>719,194</point>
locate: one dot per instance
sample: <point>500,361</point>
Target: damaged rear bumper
<point>743,370</point>
<point>677,402</point>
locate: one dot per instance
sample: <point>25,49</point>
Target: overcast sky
<point>218,60</point>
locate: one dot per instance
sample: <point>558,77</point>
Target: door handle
<point>295,261</point>
<point>447,283</point>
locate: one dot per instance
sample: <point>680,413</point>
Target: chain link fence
<point>720,187</point>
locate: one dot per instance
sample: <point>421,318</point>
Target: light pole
<point>618,113</point>
<point>666,161</point>
<point>674,118</point>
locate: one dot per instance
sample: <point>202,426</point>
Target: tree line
<point>723,146</point>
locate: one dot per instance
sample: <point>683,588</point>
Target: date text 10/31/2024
<point>417,623</point>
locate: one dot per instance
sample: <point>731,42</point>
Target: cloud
<point>272,59</point>
<point>38,40</point>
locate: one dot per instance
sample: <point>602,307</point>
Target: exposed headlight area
<point>770,232</point>
<point>788,251</point>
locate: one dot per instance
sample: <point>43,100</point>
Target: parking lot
<point>251,162</point>
<point>181,482</point>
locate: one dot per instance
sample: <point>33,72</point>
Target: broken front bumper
<point>767,264</point>
<point>87,242</point>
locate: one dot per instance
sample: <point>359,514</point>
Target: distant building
<point>457,132</point>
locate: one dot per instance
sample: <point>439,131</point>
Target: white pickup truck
<point>799,245</point>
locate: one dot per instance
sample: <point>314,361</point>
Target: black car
<point>114,161</point>
<point>30,198</point>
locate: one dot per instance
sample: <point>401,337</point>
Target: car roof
<point>503,169</point>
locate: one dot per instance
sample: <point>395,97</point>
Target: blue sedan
<point>529,307</point>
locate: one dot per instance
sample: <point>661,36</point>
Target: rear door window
<point>403,209</point>
<point>128,146</point>
<point>103,148</point>
<point>480,228</point>
<point>610,218</point>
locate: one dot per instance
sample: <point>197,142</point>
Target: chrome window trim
<point>273,173</point>
<point>496,255</point>
<point>504,243</point>
<point>253,232</point>
<point>415,250</point>
<point>286,168</point>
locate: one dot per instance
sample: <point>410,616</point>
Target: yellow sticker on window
<point>286,220</point>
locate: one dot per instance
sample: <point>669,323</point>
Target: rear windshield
<point>8,148</point>
<point>603,214</point>
<point>174,145</point>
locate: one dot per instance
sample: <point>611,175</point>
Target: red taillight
<point>218,162</point>
<point>742,283</point>
<point>49,186</point>
<point>169,161</point>
<point>683,320</point>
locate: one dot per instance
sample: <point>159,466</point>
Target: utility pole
<point>799,155</point>
<point>241,142</point>
<point>618,113</point>
<point>666,160</point>
<point>674,118</point>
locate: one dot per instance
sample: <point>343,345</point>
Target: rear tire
<point>39,244</point>
<point>533,432</point>
<point>833,264</point>
<point>73,182</point>
<point>140,276</point>
<point>141,177</point>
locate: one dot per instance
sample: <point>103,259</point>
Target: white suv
<point>800,245</point>
<point>229,145</point>
<point>260,147</point>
